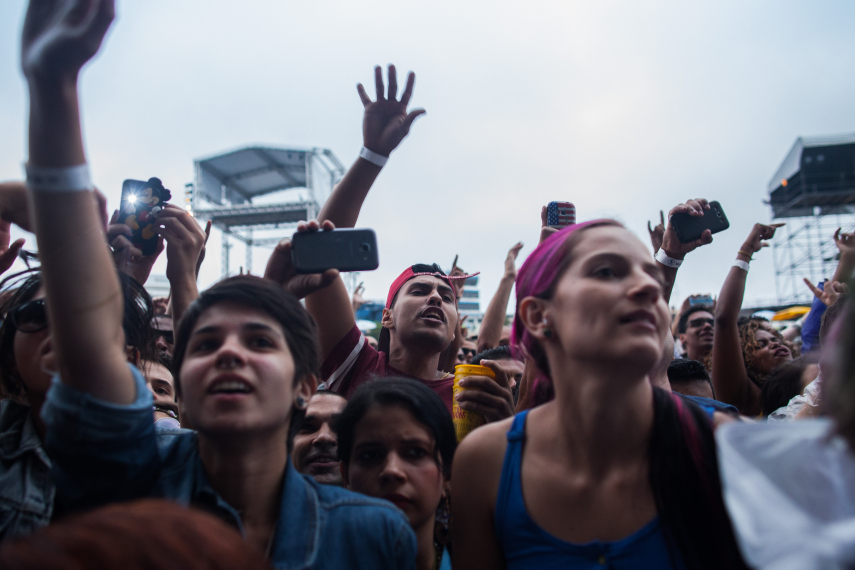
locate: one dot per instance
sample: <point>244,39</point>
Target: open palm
<point>386,121</point>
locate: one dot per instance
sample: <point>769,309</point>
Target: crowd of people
<point>253,425</point>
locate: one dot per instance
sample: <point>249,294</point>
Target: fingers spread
<point>363,96</point>
<point>393,83</point>
<point>378,83</point>
<point>408,90</point>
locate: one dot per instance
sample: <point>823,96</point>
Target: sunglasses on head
<point>697,323</point>
<point>30,317</point>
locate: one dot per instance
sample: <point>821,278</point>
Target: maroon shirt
<point>353,362</point>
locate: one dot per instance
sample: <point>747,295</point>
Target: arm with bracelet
<point>672,252</point>
<point>729,374</point>
<point>385,124</point>
<point>83,294</point>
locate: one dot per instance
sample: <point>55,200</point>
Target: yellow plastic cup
<point>464,420</point>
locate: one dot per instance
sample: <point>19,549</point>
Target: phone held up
<point>344,249</point>
<point>560,214</point>
<point>141,201</point>
<point>690,228</point>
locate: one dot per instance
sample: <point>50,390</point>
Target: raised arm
<point>83,293</point>
<point>494,317</point>
<point>672,252</point>
<point>729,375</point>
<point>845,268</point>
<point>385,124</point>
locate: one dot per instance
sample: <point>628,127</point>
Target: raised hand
<point>8,253</point>
<point>545,230</point>
<point>511,261</point>
<point>845,242</point>
<point>185,240</point>
<point>657,233</point>
<point>280,267</point>
<point>127,257</point>
<point>204,248</point>
<point>671,244</point>
<point>386,121</point>
<point>60,36</point>
<point>757,238</point>
<point>830,292</point>
<point>357,300</point>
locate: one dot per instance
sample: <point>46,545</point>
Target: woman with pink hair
<point>607,470</point>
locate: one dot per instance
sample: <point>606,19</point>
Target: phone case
<point>141,201</point>
<point>344,249</point>
<point>690,228</point>
<point>560,214</point>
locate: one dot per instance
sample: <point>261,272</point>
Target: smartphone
<point>344,249</point>
<point>560,214</point>
<point>141,201</point>
<point>690,228</point>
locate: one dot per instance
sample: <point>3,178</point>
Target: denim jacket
<point>105,452</point>
<point>26,485</point>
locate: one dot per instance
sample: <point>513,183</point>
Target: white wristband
<point>69,179</point>
<point>741,264</point>
<point>662,258</point>
<point>373,157</point>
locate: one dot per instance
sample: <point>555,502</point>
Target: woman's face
<point>394,458</point>
<point>35,360</point>
<point>608,304</point>
<point>769,352</point>
<point>238,373</point>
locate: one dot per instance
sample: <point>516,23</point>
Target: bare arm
<point>476,472</point>
<point>494,317</point>
<point>82,289</point>
<point>385,124</point>
<point>846,244</point>
<point>674,248</point>
<point>729,375</point>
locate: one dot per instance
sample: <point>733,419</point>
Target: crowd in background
<point>254,425</point>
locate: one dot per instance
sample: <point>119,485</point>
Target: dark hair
<point>413,396</point>
<point>144,534</point>
<point>22,288</point>
<point>686,486</point>
<point>685,370</point>
<point>683,323</point>
<point>267,297</point>
<point>498,353</point>
<point>830,316</point>
<point>784,383</point>
<point>840,389</point>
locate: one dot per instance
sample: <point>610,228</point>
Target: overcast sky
<point>623,108</point>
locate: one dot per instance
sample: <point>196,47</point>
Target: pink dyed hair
<point>536,278</point>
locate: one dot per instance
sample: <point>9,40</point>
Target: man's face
<point>315,443</point>
<point>698,338</point>
<point>162,326</point>
<point>466,352</point>
<point>424,313</point>
<point>161,383</point>
<point>513,368</point>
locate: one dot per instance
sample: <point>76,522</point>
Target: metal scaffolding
<point>252,194</point>
<point>814,193</point>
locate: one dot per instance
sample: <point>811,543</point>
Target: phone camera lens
<point>718,214</point>
<point>365,247</point>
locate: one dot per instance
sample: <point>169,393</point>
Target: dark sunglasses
<point>698,323</point>
<point>467,351</point>
<point>30,317</point>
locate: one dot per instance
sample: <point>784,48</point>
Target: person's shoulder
<point>482,451</point>
<point>332,498</point>
<point>176,445</point>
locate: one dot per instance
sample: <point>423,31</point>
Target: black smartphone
<point>141,201</point>
<point>344,249</point>
<point>690,228</point>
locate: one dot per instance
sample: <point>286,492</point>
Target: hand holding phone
<point>560,214</point>
<point>141,201</point>
<point>690,228</point>
<point>345,250</point>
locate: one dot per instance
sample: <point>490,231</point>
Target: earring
<point>442,527</point>
<point>547,333</point>
<point>301,402</point>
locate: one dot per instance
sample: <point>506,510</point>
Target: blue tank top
<point>527,546</point>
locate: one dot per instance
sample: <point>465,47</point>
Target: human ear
<point>387,321</point>
<point>534,314</point>
<point>305,389</point>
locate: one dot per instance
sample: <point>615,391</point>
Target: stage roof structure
<point>261,188</point>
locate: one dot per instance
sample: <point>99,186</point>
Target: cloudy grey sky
<point>623,108</point>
